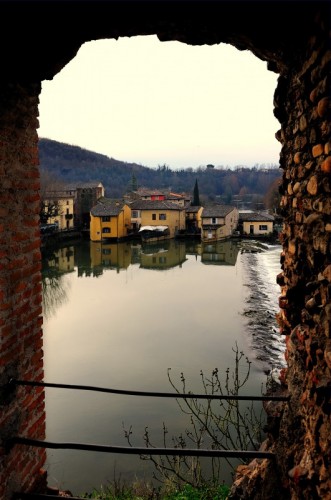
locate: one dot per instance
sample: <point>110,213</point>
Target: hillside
<point>71,164</point>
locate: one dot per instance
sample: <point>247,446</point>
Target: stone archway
<point>38,39</point>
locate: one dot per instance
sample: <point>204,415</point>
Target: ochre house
<point>158,213</point>
<point>256,224</point>
<point>110,220</point>
<point>218,222</point>
<point>193,219</point>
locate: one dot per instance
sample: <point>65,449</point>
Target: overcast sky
<point>154,103</point>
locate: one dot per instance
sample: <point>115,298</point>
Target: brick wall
<point>21,355</point>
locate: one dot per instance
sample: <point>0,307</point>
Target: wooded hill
<point>72,164</point>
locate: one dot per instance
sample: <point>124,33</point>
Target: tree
<point>49,204</point>
<point>134,184</point>
<point>48,210</point>
<point>196,197</point>
<point>272,197</point>
<point>217,424</point>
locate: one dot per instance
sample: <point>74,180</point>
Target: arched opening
<point>187,109</point>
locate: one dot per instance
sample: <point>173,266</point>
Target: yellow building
<point>62,203</point>
<point>218,222</point>
<point>256,224</point>
<point>110,220</point>
<point>193,219</point>
<point>146,213</point>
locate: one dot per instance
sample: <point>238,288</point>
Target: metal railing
<point>20,440</point>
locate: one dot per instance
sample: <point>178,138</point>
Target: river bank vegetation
<point>212,423</point>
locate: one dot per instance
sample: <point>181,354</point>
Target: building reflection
<point>61,259</point>
<point>193,247</point>
<point>162,255</point>
<point>219,253</point>
<point>55,264</point>
<point>105,256</point>
<point>92,259</point>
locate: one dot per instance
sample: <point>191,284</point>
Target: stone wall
<point>21,355</point>
<point>300,431</point>
<point>303,105</point>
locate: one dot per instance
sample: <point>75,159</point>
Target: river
<point>123,316</point>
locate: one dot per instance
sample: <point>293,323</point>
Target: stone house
<point>218,222</point>
<point>158,213</point>
<point>110,220</point>
<point>193,219</point>
<point>255,223</point>
<point>63,200</point>
<point>86,196</point>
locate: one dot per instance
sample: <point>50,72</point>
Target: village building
<point>110,220</point>
<point>193,221</point>
<point>58,208</point>
<point>86,196</point>
<point>255,224</point>
<point>161,215</point>
<point>218,222</point>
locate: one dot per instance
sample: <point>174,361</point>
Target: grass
<point>146,492</point>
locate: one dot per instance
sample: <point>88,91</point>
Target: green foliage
<point>134,184</point>
<point>196,197</point>
<point>187,492</point>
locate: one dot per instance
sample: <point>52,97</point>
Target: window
<point>106,251</point>
<point>263,227</point>
<point>153,216</point>
<point>106,229</point>
<point>162,216</point>
<point>135,214</point>
<point>213,220</point>
<point>105,218</point>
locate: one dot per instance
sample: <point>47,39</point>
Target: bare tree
<point>49,205</point>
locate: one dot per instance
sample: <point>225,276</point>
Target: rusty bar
<point>230,397</point>
<point>186,452</point>
<point>41,496</point>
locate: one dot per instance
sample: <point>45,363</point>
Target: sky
<point>164,103</point>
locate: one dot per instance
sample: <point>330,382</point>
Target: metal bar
<point>40,496</point>
<point>150,394</point>
<point>186,452</point>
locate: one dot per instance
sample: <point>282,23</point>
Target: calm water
<point>120,315</point>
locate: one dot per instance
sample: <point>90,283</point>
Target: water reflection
<point>125,329</point>
<point>55,263</point>
<point>162,256</point>
<point>220,252</point>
